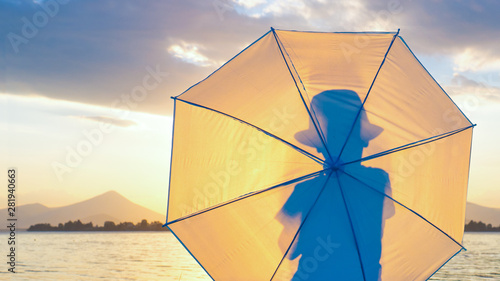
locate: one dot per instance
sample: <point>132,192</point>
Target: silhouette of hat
<point>339,107</point>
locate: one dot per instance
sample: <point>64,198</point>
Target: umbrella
<point>319,156</point>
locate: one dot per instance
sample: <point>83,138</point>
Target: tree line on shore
<point>472,226</point>
<point>480,226</point>
<point>108,226</point>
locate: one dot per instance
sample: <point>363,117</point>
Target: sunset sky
<point>85,86</point>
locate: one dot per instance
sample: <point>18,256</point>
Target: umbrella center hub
<point>337,166</point>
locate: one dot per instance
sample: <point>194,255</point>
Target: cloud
<point>451,28</point>
<point>249,3</point>
<point>320,15</point>
<point>472,59</point>
<point>275,8</point>
<point>109,120</point>
<point>95,52</point>
<point>462,85</point>
<point>190,53</point>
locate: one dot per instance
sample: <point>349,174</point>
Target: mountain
<point>480,213</point>
<point>109,206</point>
<point>112,206</point>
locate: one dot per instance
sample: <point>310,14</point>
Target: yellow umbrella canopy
<point>319,156</point>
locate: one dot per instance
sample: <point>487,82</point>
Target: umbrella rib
<point>352,227</point>
<point>339,32</point>
<point>314,120</point>
<point>411,145</point>
<point>224,64</point>
<point>183,245</point>
<point>404,206</point>
<point>366,97</point>
<point>246,196</point>
<point>315,158</point>
<point>434,79</point>
<point>452,256</point>
<point>171,160</point>
<point>301,225</point>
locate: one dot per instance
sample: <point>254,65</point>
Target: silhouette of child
<point>340,237</point>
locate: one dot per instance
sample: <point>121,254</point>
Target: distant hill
<point>109,206</point>
<point>112,206</point>
<point>480,213</point>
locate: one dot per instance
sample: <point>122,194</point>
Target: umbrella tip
<point>398,31</point>
<point>272,28</point>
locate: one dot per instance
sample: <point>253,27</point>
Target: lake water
<point>481,261</point>
<point>158,256</point>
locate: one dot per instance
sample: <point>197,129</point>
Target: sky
<point>85,86</point>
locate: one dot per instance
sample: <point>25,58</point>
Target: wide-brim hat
<point>339,107</point>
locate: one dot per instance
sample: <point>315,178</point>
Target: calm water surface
<point>481,261</point>
<point>102,256</point>
<point>158,256</point>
